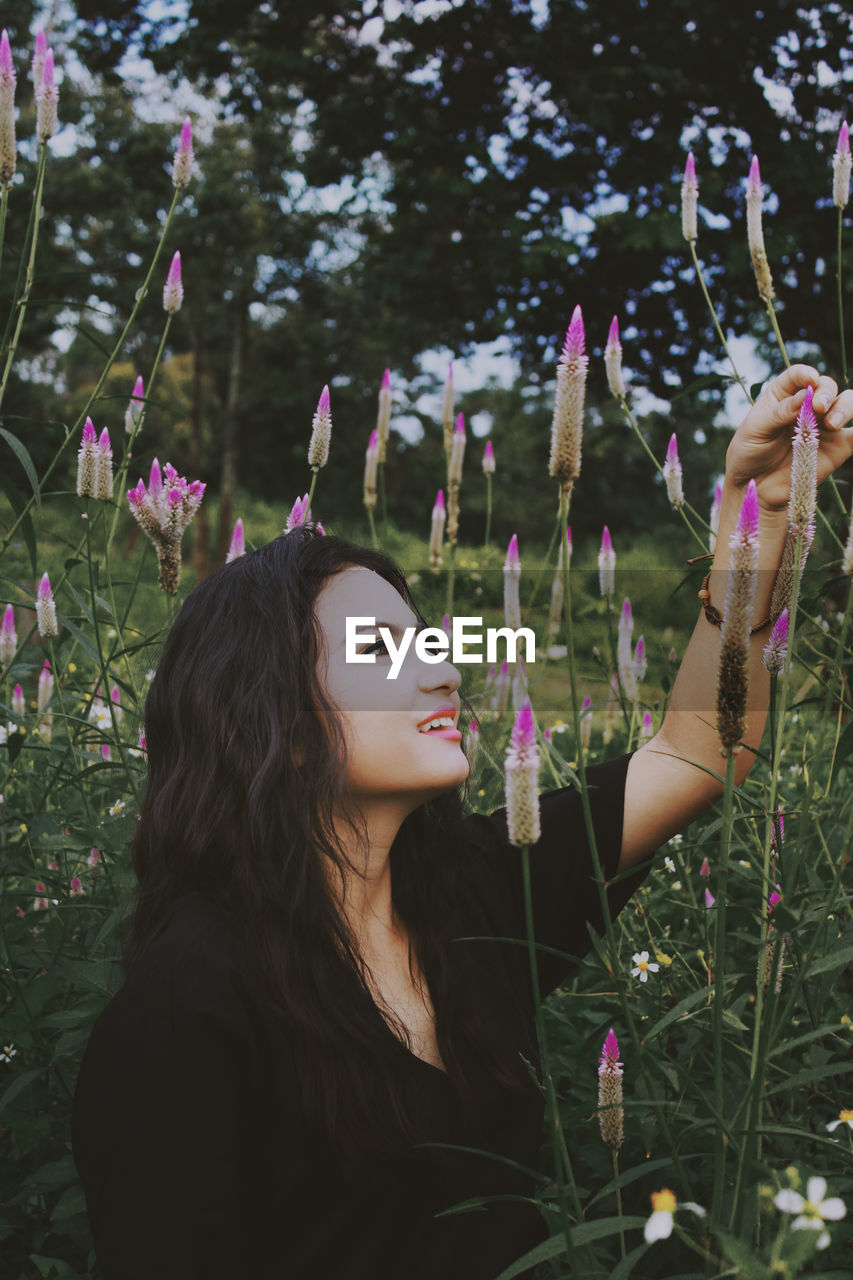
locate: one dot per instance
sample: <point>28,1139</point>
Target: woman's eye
<point>377,644</point>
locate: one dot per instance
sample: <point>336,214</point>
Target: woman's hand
<point>761,447</point>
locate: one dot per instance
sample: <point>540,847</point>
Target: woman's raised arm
<point>665,790</point>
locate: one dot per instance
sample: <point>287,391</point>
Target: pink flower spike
<point>104,442</point>
<point>324,404</point>
<point>173,290</point>
<point>76,887</point>
<point>41,44</point>
<point>748,520</point>
<point>709,898</point>
<point>610,1050</point>
<point>754,180</point>
<point>90,435</point>
<point>105,750</point>
<point>613,333</point>
<point>386,380</point>
<point>524,731</point>
<point>512,552</point>
<point>575,344</point>
<point>173,497</point>
<point>690,168</point>
<point>705,869</point>
<point>672,451</point>
<point>47,76</point>
<point>569,539</point>
<point>44,591</point>
<point>776,896</point>
<point>138,389</point>
<point>373,442</point>
<point>155,479</point>
<point>238,543</point>
<point>439,500</point>
<point>806,418</point>
<point>183,163</point>
<point>606,544</point>
<point>7,70</point>
<point>460,424</point>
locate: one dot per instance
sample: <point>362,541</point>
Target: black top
<point>188,1131</point>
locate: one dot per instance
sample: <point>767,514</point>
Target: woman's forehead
<point>359,592</point>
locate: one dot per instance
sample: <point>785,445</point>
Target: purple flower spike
<point>104,442</point>
<point>690,168</point>
<point>689,201</point>
<point>183,163</point>
<point>610,1051</point>
<point>806,418</point>
<point>7,70</point>
<point>386,380</point>
<point>512,552</point>
<point>754,179</point>
<point>173,290</point>
<point>613,361</point>
<point>523,731</point>
<point>606,544</point>
<point>8,637</point>
<point>747,524</point>
<point>46,610</point>
<point>843,146</point>
<point>90,435</point>
<point>606,565</point>
<point>439,500</point>
<point>613,341</point>
<point>460,424</point>
<point>575,344</point>
<point>488,459</point>
<point>155,479</point>
<point>238,543</point>
<point>776,649</point>
<point>324,404</point>
<point>47,97</point>
<point>709,898</point>
<point>841,165</point>
<point>321,432</point>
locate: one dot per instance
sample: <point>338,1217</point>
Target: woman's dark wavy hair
<point>229,812</point>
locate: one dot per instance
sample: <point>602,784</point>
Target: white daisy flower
<point>668,863</point>
<point>844,1117</point>
<point>643,967</point>
<point>8,1053</point>
<point>660,1224</point>
<point>117,807</point>
<point>812,1210</point>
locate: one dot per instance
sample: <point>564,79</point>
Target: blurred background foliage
<point>378,180</point>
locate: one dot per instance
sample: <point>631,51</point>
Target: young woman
<point>322,1042</point>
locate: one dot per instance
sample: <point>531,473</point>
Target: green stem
<point>683,510</point>
<point>619,1211</point>
<point>4,204</point>
<point>103,376</point>
<point>372,523</point>
<point>451,571</point>
<point>738,379</point>
<point>720,989</point>
<point>553,1109</point>
<point>841,303</point>
<point>488,509</point>
<point>771,311</point>
<point>31,267</point>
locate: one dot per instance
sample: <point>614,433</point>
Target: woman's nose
<point>439,675</point>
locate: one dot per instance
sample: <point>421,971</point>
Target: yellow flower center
<point>663,1201</point>
<point>845,1116</point>
<point>642,964</point>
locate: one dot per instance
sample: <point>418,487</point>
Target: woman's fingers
<point>791,380</point>
<point>840,411</point>
<point>825,392</point>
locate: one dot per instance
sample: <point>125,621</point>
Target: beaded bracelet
<point>714,616</point>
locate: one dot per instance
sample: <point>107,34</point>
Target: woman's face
<point>389,757</point>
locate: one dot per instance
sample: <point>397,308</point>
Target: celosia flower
<point>755,233</point>
<point>8,637</point>
<point>845,1116</point>
<point>716,507</point>
<point>643,966</point>
<point>472,743</point>
<point>672,475</point>
<point>606,565</point>
<point>39,51</point>
<point>502,684</point>
<point>173,290</point>
<point>300,513</point>
<point>238,543</point>
<point>76,887</point>
<point>613,361</point>
<point>512,576</point>
<point>45,688</point>
<point>611,1114</point>
<point>104,467</point>
<point>736,626</point>
<point>8,145</point>
<point>133,412</point>
<point>689,200</point>
<point>640,664</point>
<point>94,858</point>
<point>383,419</point>
<point>664,1205</point>
<point>86,456</point>
<point>586,722</point>
<point>46,610</point>
<point>624,656</point>
<point>705,869</point>
<point>776,649</point>
<point>105,750</point>
<point>647,728</point>
<point>19,705</point>
<point>488,459</point>
<point>709,899</point>
<point>371,461</point>
<point>163,512</point>
<point>182,167</point>
<point>802,500</point>
<point>567,424</point>
<point>841,168</point>
<point>47,98</point>
<point>436,533</point>
<point>813,1210</point>
<point>447,409</point>
<point>321,432</point>
<point>454,478</point>
<point>522,777</point>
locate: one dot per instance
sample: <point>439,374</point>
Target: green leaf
<point>584,1233</point>
<point>22,454</point>
<point>19,507</point>
<point>679,1012</point>
<point>742,1255</point>
<point>834,960</point>
<point>18,1086</point>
